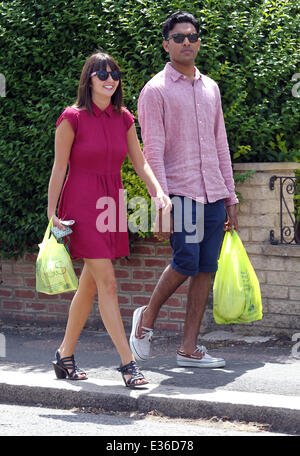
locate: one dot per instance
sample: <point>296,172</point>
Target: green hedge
<point>249,47</point>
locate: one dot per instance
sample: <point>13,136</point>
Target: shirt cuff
<point>231,200</point>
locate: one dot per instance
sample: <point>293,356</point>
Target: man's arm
<point>151,120</point>
<point>225,164</point>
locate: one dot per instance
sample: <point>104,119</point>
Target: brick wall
<point>136,276</point>
<point>277,267</point>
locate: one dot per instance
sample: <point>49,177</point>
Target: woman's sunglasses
<point>103,74</point>
<point>180,37</point>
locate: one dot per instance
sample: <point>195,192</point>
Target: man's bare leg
<point>168,283</point>
<point>198,291</point>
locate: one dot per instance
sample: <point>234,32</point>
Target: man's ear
<point>166,45</point>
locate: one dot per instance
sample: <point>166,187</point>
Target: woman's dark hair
<point>96,62</point>
<point>177,18</point>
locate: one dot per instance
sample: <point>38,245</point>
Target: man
<point>185,143</point>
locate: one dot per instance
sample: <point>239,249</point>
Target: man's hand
<point>232,221</point>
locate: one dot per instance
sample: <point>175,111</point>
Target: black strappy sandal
<point>136,375</point>
<point>63,365</point>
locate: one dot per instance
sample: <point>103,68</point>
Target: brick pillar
<point>259,208</point>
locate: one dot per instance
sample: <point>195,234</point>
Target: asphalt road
<point>16,420</point>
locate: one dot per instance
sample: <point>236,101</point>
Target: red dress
<point>92,193</point>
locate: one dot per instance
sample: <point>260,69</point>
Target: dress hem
<point>99,258</point>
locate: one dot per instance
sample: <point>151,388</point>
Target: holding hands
<point>163,201</point>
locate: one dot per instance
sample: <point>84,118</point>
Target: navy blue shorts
<point>198,234</point>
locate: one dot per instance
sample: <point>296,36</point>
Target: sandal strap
<point>129,368</point>
<point>68,362</point>
<point>133,370</point>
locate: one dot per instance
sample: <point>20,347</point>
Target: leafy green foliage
<point>250,48</point>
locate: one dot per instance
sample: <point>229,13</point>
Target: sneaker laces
<point>201,348</point>
<point>147,333</point>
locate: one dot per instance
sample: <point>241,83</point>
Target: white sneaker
<point>199,358</point>
<point>140,346</point>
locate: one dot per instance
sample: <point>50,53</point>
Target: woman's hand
<point>163,201</point>
<point>56,222</point>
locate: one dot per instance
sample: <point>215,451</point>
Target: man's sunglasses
<point>180,37</point>
<point>103,74</point>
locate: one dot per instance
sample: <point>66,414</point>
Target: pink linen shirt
<point>184,136</point>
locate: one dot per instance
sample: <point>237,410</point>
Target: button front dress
<point>93,191</point>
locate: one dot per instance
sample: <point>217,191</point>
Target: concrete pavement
<point>260,383</point>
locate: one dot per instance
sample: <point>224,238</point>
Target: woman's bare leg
<point>80,309</point>
<point>104,276</point>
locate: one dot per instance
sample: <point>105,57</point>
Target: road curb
<point>280,412</point>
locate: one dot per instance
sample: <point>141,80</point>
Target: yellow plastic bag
<point>54,269</point>
<point>236,290</point>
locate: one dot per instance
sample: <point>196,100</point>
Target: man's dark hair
<point>177,18</point>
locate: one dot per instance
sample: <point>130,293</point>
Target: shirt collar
<point>175,75</point>
<point>98,112</point>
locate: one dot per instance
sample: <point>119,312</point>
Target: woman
<point>93,137</point>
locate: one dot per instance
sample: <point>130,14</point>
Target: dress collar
<point>175,75</point>
<point>98,112</point>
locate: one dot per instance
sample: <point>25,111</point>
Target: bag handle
<point>47,232</point>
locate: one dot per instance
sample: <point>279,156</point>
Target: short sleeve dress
<point>93,191</point>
